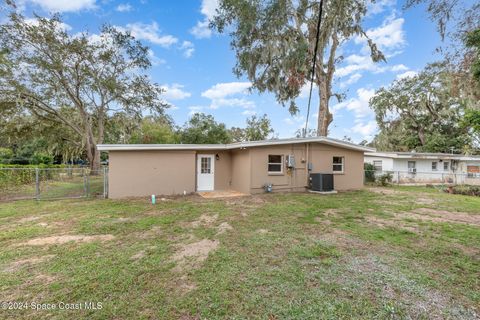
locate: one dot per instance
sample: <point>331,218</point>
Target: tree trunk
<point>93,155</point>
<point>421,135</point>
<point>324,115</point>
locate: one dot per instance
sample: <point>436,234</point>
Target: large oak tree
<point>46,70</point>
<point>274,43</point>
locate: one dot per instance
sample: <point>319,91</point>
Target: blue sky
<point>195,65</point>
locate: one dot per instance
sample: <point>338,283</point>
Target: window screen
<point>275,163</point>
<point>337,164</point>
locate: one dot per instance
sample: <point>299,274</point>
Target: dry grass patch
<point>16,265</point>
<point>224,227</point>
<point>63,239</point>
<point>434,215</point>
<point>195,252</point>
<point>204,220</point>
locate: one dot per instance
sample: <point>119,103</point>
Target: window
<point>205,165</point>
<point>411,167</point>
<point>378,165</point>
<point>275,163</point>
<point>338,164</point>
<point>434,166</point>
<point>446,165</point>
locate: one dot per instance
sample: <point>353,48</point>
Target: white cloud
<point>249,113</point>
<point>389,36</point>
<point>222,95</point>
<point>232,102</point>
<point>366,130</point>
<point>61,26</point>
<point>359,105</point>
<point>222,90</point>
<point>351,80</point>
<point>149,32</point>
<point>408,74</point>
<point>357,63</point>
<point>175,92</point>
<point>154,59</point>
<point>201,29</point>
<point>195,109</point>
<point>399,67</point>
<point>64,5</point>
<point>296,120</point>
<point>188,49</point>
<point>124,7</point>
<point>376,7</point>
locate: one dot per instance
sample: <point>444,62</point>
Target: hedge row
<point>24,166</point>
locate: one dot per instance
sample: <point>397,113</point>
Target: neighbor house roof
<point>422,155</point>
<point>230,146</point>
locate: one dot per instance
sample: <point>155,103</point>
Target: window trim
<point>381,165</point>
<point>412,169</point>
<point>447,163</point>
<point>273,173</point>
<point>338,164</point>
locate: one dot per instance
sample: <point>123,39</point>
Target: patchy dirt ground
<point>383,253</point>
<point>66,239</point>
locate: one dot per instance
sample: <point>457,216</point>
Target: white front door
<point>205,172</point>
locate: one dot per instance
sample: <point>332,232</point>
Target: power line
<point>313,67</point>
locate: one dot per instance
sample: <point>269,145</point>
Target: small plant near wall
<point>385,179</point>
<point>369,172</point>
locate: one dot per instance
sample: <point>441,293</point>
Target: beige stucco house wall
<point>241,170</point>
<point>162,170</point>
<point>142,173</point>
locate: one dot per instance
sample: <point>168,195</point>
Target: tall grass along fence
<point>421,178</point>
<point>29,182</point>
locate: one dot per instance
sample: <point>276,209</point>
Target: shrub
<point>369,172</point>
<point>41,158</point>
<point>5,153</point>
<point>465,190</point>
<point>385,179</point>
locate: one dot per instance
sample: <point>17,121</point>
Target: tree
<point>420,113</point>
<point>49,71</point>
<point>465,15</point>
<point>202,128</point>
<point>154,130</point>
<point>237,134</point>
<point>258,128</point>
<point>472,40</point>
<point>274,43</point>
<point>472,122</point>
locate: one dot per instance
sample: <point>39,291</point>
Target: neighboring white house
<point>416,167</point>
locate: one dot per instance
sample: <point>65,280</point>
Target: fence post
<point>398,177</point>
<point>84,183</point>
<point>37,184</point>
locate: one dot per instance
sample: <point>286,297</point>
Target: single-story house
<point>418,167</point>
<point>246,167</point>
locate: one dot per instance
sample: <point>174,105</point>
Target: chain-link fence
<point>52,183</point>
<point>422,178</point>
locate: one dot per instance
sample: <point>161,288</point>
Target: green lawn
<point>403,252</point>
